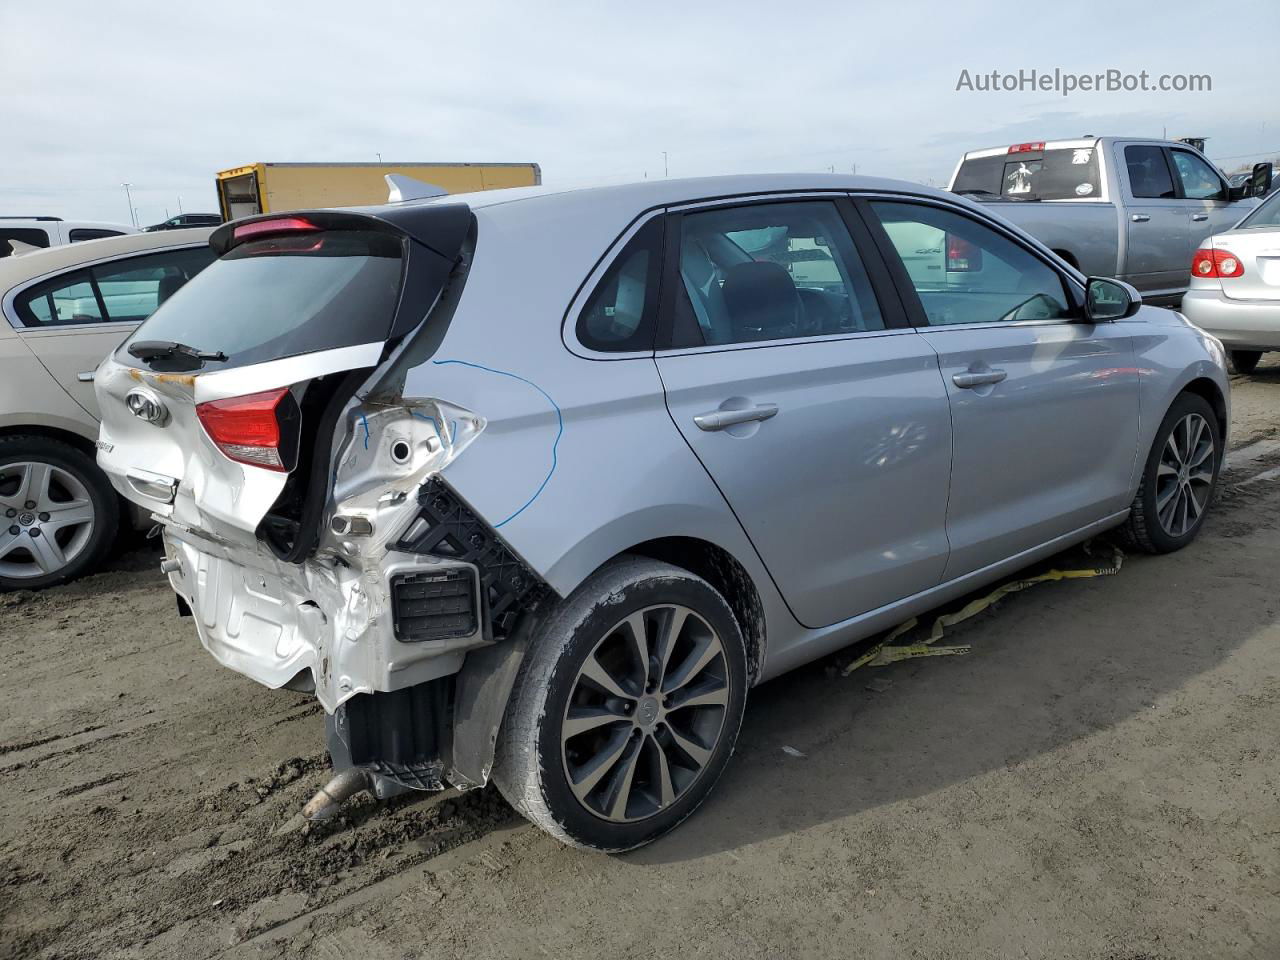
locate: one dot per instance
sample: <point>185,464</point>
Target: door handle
<point>1199,216</point>
<point>85,376</point>
<point>966,381</point>
<point>720,419</point>
<point>1140,218</point>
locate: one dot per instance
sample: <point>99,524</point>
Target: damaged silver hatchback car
<point>533,485</point>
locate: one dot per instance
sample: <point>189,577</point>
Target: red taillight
<point>1034,147</point>
<point>246,429</point>
<point>962,256</point>
<point>1215,264</point>
<point>261,228</point>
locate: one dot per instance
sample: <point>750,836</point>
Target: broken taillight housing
<point>260,429</point>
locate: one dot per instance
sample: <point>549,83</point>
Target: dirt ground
<point>1100,778</point>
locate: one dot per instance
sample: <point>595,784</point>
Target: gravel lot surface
<point>1100,778</point>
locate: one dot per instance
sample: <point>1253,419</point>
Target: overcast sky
<point>163,95</point>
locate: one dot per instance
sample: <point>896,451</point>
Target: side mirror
<point>1107,299</point>
<point>1260,180</point>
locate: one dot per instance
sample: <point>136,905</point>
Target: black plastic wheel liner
<point>446,526</point>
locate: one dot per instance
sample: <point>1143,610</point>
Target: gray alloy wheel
<point>1184,475</point>
<point>646,712</point>
<point>48,519</point>
<point>626,708</point>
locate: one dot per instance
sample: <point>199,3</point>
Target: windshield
<point>284,296</point>
<point>1065,174</point>
<point>1266,214</point>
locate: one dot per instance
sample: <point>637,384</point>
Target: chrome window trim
<point>11,314</point>
<point>787,342</point>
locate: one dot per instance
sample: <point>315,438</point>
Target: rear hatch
<point>1255,244</point>
<point>218,413</point>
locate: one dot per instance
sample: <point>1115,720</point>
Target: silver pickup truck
<point>1117,207</point>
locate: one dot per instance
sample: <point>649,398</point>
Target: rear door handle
<point>1140,218</point>
<point>1199,216</point>
<point>719,419</point>
<point>966,381</point>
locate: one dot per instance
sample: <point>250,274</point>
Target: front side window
<point>966,272</point>
<point>1149,177</point>
<point>1199,182</point>
<point>770,271</point>
<point>620,316</point>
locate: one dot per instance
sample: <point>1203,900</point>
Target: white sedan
<point>1235,286</point>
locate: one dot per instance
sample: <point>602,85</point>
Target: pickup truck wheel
<point>626,708</point>
<point>1243,361</point>
<point>58,513</point>
<point>1178,479</point>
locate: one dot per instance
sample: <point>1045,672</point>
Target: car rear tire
<point>1178,479</point>
<point>58,513</point>
<point>1243,361</point>
<point>612,739</point>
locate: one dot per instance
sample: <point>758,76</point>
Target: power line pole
<point>129,197</point>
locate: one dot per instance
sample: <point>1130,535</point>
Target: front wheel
<point>1243,361</point>
<point>626,709</point>
<point>1178,479</point>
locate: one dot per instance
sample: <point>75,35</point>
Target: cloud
<point>163,95</point>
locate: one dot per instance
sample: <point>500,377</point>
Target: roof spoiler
<point>401,188</point>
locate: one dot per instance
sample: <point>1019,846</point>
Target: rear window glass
<point>1066,174</point>
<point>1266,215</point>
<point>284,296</point>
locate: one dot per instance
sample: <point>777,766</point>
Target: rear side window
<point>62,301</point>
<point>1149,177</point>
<point>620,316</point>
<point>284,296</point>
<point>91,233</point>
<point>122,291</point>
<point>32,238</point>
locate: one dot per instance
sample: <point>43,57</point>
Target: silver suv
<point>534,485</point>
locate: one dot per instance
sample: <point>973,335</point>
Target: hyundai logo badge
<point>145,405</point>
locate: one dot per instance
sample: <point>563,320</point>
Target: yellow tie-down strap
<point>886,652</point>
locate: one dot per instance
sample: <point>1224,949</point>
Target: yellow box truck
<point>272,187</point>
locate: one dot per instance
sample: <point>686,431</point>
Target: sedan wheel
<point>58,514</point>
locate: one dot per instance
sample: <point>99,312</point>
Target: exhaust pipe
<point>328,800</point>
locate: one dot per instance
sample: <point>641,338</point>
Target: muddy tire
<point>1178,479</point>
<point>58,514</point>
<point>1243,361</point>
<point>626,709</point>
